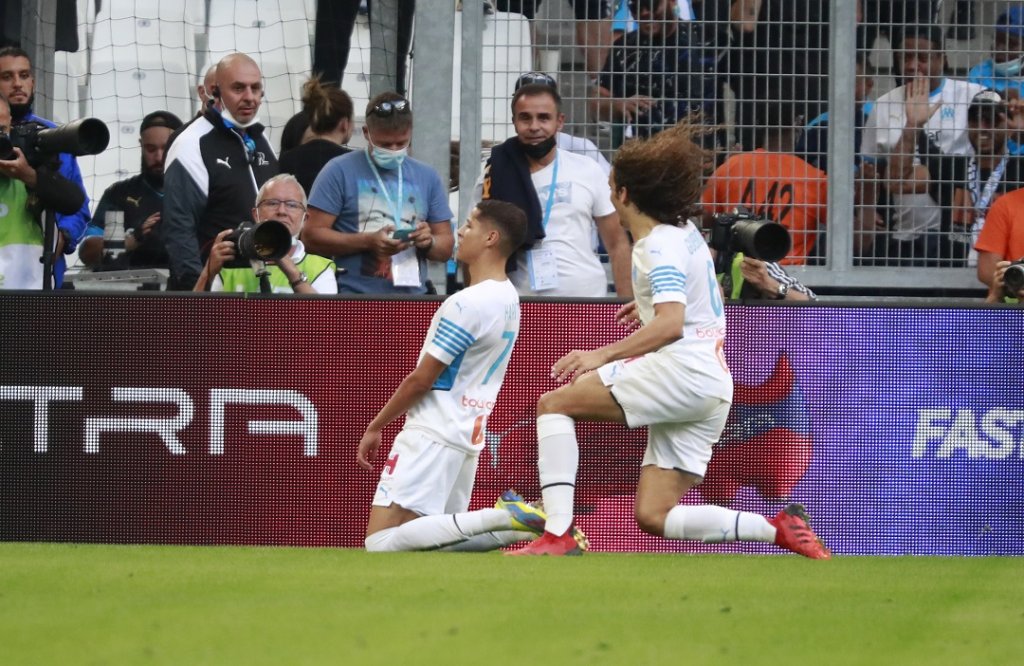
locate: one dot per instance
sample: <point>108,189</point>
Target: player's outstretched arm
<point>409,392</point>
<point>665,328</point>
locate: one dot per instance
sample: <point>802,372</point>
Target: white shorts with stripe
<point>683,398</point>
<point>425,476</point>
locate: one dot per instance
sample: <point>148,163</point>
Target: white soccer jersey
<point>673,265</point>
<point>473,332</point>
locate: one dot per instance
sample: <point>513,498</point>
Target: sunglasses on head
<point>385,109</point>
<point>539,78</point>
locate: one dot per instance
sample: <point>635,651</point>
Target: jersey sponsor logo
<point>477,403</point>
<point>977,434</point>
<point>224,162</point>
<point>138,406</point>
<point>710,332</point>
<point>766,443</point>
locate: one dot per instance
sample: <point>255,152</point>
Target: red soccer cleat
<point>549,544</point>
<point>793,532</point>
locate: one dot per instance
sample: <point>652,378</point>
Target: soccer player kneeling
<point>669,374</point>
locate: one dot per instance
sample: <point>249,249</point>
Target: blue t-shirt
<point>348,188</point>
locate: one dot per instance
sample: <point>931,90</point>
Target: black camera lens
<point>1013,279</point>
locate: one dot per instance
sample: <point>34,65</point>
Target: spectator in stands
<point>17,85</point>
<point>1003,71</point>
<point>964,185</point>
<point>773,182</point>
<point>214,168</point>
<point>138,200</point>
<point>917,220</point>
<point>657,74</point>
<point>330,111</point>
<point>593,26</point>
<point>564,196</point>
<point>283,200</point>
<point>1001,240</point>
<point>25,192</point>
<point>381,214</point>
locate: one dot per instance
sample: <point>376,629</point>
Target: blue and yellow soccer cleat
<point>525,517</point>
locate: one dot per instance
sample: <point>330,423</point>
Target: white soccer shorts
<point>426,477</point>
<point>680,398</point>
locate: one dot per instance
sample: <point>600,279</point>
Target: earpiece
<point>215,91</point>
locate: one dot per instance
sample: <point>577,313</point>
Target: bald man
<point>214,169</point>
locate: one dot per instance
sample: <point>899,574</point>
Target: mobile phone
<point>401,235</point>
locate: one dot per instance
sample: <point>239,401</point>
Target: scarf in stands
<point>507,178</point>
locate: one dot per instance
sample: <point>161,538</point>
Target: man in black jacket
<point>214,169</point>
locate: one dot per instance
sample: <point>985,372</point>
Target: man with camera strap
<point>17,86</point>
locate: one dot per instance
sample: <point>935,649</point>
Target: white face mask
<point>388,159</point>
<point>226,115</point>
<point>1010,68</point>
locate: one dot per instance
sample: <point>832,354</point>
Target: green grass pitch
<point>90,604</point>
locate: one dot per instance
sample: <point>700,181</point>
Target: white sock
<point>482,543</point>
<point>715,524</point>
<point>558,458</point>
<point>432,532</point>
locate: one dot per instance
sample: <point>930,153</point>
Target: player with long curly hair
<point>668,374</point>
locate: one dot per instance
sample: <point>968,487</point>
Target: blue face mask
<point>1009,69</point>
<point>388,159</point>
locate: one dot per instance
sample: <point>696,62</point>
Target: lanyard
<point>983,198</point>
<point>551,194</point>
<point>395,206</point>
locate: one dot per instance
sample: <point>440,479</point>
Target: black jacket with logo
<point>210,184</point>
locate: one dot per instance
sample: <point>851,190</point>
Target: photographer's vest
<point>21,239</point>
<point>244,280</point>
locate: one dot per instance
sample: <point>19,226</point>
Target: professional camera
<point>88,136</point>
<point>1013,279</point>
<point>755,236</point>
<point>267,241</point>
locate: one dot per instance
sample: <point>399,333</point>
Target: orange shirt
<point>1003,232</point>
<point>781,186</point>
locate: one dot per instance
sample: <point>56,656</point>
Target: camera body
<point>269,240</point>
<point>1013,279</point>
<point>754,235</point>
<point>41,144</point>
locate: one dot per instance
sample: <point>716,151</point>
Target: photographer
<point>280,199</point>
<point>736,250</point>
<point>17,85</point>
<point>138,200</point>
<point>1000,243</point>
<point>25,192</point>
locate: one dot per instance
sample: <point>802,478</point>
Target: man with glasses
<point>214,168</point>
<point>380,213</point>
<point>283,200</point>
